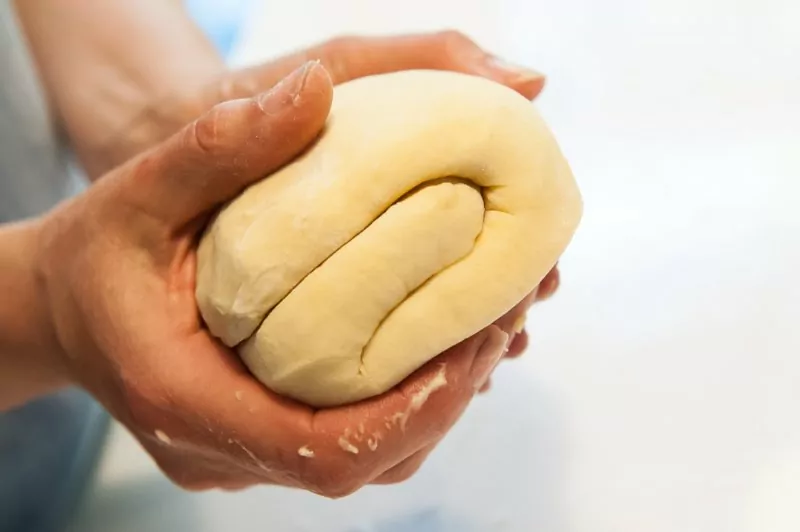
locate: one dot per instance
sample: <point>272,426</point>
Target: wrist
<point>31,357</point>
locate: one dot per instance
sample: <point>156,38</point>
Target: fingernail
<point>489,354</point>
<point>523,73</point>
<point>293,84</point>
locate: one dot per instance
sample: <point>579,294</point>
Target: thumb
<point>230,147</point>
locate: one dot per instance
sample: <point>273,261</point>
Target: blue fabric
<point>220,19</point>
<point>48,449</point>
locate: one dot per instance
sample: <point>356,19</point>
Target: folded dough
<point>432,203</point>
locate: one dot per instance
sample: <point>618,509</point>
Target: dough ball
<point>432,203</point>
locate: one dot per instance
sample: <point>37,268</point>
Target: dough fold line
<point>401,198</point>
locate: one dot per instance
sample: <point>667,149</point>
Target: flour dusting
<point>305,452</point>
<point>163,438</point>
<point>346,446</point>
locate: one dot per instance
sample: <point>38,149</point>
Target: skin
<point>100,292</point>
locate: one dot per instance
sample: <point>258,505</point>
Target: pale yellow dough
<point>432,203</point>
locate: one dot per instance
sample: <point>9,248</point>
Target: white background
<point>662,389</point>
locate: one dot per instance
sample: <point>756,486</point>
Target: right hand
<point>117,266</point>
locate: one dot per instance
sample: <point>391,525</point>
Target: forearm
<point>30,363</point>
<point>104,64</point>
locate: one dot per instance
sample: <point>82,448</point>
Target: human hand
<point>345,58</point>
<point>117,267</point>
<point>514,321</point>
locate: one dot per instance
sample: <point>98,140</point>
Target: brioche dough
<point>432,203</point>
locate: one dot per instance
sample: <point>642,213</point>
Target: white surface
<point>662,392</point>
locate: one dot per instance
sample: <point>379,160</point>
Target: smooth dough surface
<point>432,203</point>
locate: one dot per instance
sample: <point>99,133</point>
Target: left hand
<point>345,58</point>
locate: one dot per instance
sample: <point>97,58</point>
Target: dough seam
<point>361,371</point>
<point>429,182</point>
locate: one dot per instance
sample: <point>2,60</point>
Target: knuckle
<point>145,403</point>
<point>335,54</point>
<point>403,473</point>
<point>219,133</point>
<point>335,480</point>
<point>193,484</point>
<point>188,479</point>
<point>235,486</point>
<point>340,44</point>
<point>207,134</point>
<point>339,489</point>
<point>204,134</point>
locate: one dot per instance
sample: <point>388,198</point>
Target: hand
<point>345,59</point>
<point>117,268</point>
<point>514,321</point>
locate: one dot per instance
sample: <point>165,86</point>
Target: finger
<point>518,345</point>
<point>215,403</point>
<point>513,321</point>
<point>350,58</point>
<point>195,472</point>
<point>407,468</point>
<point>549,285</point>
<point>236,485</point>
<point>519,337</point>
<point>334,451</point>
<point>383,431</point>
<point>233,145</point>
